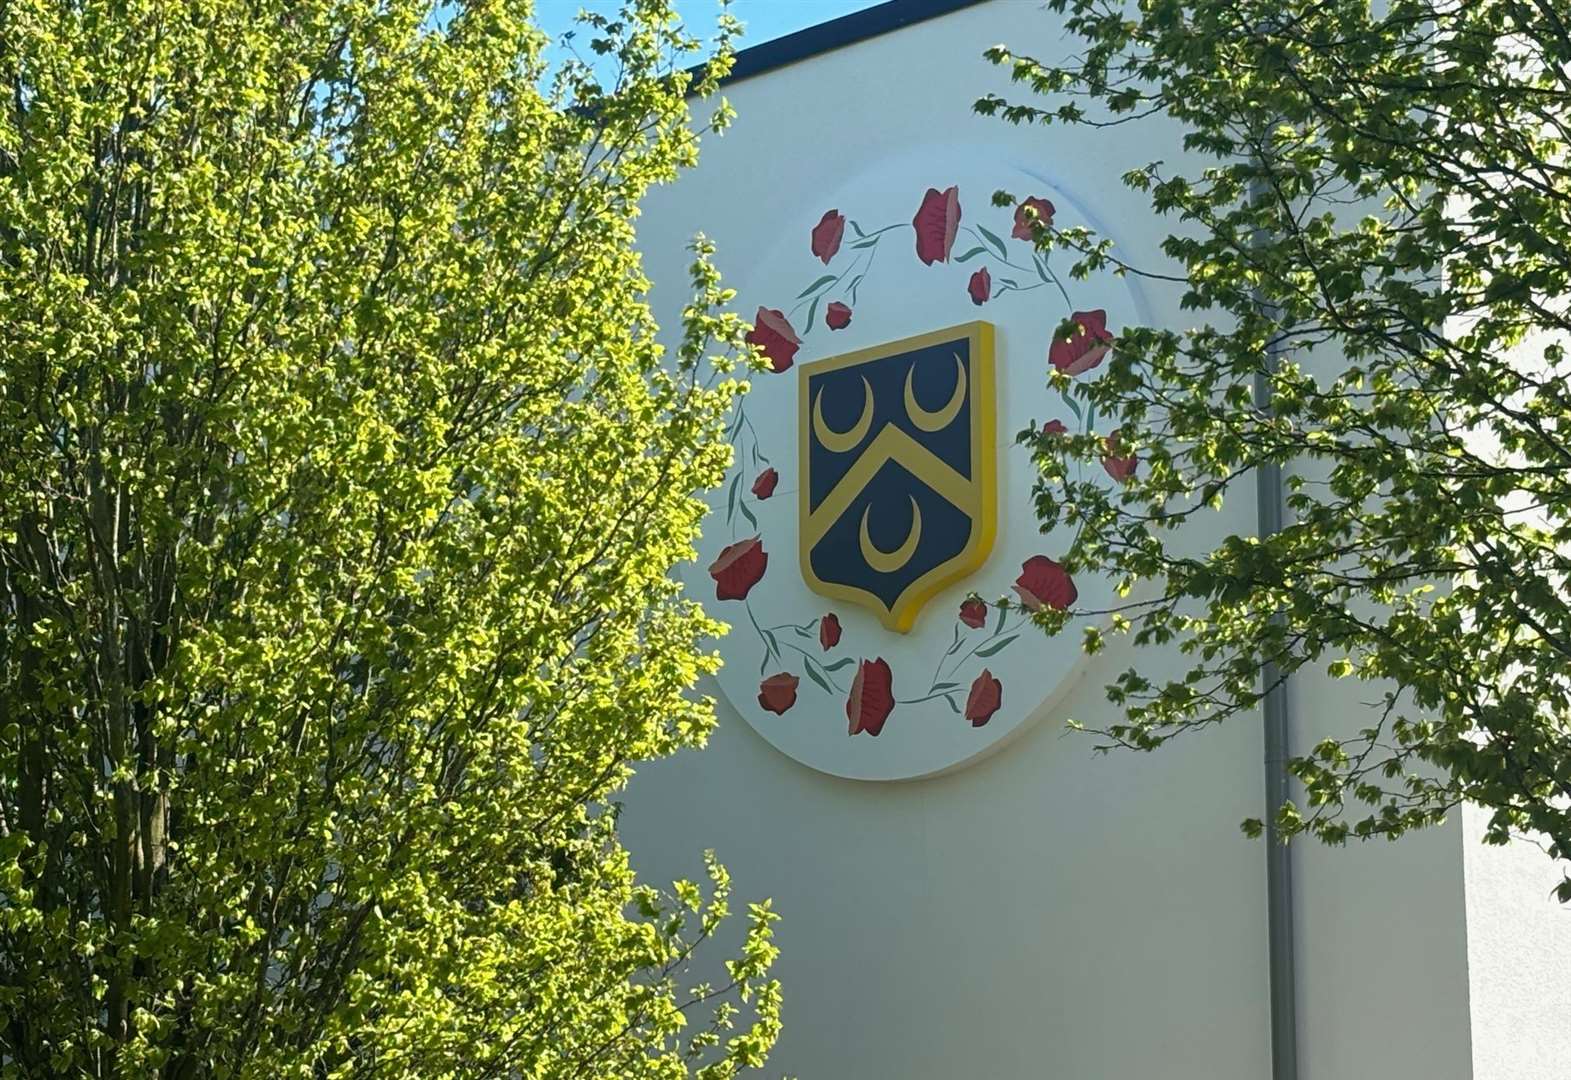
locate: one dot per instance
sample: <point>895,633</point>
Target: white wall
<point>1519,959</point>
<point>1048,912</point>
<point>1045,913</point>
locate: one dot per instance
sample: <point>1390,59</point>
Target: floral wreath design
<point>1079,345</point>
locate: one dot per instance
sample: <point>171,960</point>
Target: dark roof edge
<point>838,33</point>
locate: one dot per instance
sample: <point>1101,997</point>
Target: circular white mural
<point>874,547</point>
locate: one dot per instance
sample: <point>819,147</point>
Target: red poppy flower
<point>829,631</point>
<point>837,316</point>
<point>872,697</point>
<point>827,233</point>
<point>778,692</point>
<point>936,221</point>
<point>764,486</point>
<point>1044,217</point>
<point>1086,345</point>
<point>1054,427</point>
<point>980,287</point>
<point>738,569</point>
<point>774,337</point>
<point>986,695</point>
<point>1119,467</point>
<point>1043,581</point>
<point>974,613</point>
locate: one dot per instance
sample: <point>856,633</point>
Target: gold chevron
<point>891,444</point>
<point>887,562</point>
<point>941,418</point>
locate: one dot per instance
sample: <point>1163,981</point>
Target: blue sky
<point>764,19</point>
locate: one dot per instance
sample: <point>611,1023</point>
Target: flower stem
<point>928,697</point>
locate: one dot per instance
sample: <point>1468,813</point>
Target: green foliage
<point>340,482</point>
<point>1383,197</point>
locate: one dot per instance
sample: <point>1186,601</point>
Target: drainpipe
<point>1279,865</point>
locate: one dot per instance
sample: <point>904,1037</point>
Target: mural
<point>890,455</point>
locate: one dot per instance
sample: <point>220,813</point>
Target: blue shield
<point>897,457</point>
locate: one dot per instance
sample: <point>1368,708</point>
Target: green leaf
<point>730,505</point>
<point>998,244</point>
<point>973,253</point>
<point>997,646</point>
<point>817,678</point>
<point>815,286</point>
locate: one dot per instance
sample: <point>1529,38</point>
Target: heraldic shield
<point>898,465</point>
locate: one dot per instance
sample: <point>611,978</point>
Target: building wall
<point>1519,959</point>
<point>1046,912</point>
<point>1381,932</point>
<point>1518,934</point>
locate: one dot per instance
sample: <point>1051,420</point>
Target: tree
<point>340,481</point>
<point>1381,232</point>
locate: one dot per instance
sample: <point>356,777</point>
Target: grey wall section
<point>1049,912</point>
<point>1382,939</point>
<point>1041,914</point>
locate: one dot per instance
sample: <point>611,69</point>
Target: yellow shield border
<point>903,615</point>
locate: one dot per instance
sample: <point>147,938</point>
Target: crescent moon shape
<point>887,562</point>
<point>838,442</point>
<point>942,418</point>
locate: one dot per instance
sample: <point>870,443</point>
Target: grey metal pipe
<point>1280,920</point>
<point>1279,863</point>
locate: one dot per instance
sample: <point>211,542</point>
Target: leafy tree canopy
<point>340,480</point>
<point>1382,203</point>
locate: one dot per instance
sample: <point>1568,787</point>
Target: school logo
<point>897,457</point>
